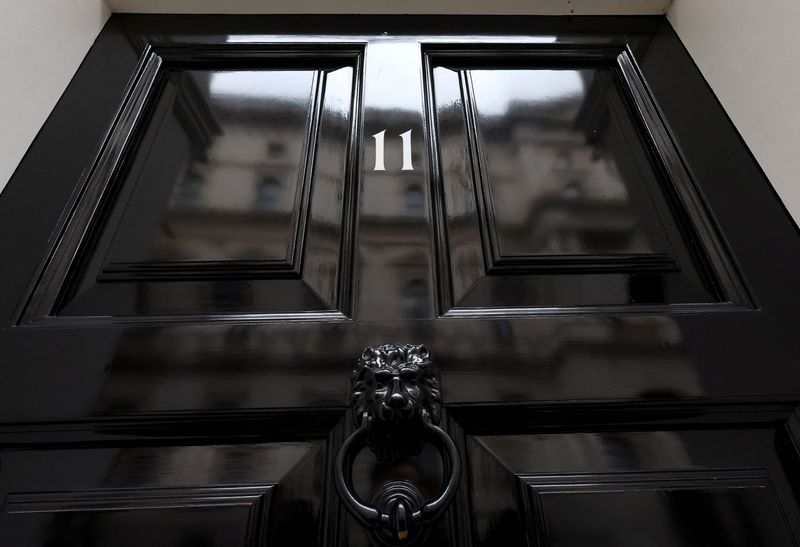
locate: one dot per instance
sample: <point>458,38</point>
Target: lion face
<point>395,387</point>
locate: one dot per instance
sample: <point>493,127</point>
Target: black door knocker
<point>397,405</point>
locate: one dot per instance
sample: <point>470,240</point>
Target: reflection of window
<point>268,194</point>
<point>276,149</point>
<point>188,192</point>
<point>415,201</point>
<point>416,293</point>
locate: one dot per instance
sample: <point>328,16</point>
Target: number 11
<point>380,151</point>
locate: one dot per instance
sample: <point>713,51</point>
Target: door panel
<point>220,177</point>
<point>551,194</point>
<point>222,519</point>
<point>631,488</point>
<point>231,495</point>
<point>221,190</point>
<point>563,215</point>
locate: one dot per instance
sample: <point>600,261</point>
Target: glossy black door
<point>223,212</point>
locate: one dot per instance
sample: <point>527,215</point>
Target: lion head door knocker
<point>397,405</point>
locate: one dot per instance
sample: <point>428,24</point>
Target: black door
<point>444,281</point>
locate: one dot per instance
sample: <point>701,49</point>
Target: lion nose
<point>396,398</point>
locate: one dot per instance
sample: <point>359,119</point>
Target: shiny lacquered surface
<point>630,489</point>
<point>549,195</point>
<point>238,176</point>
<point>620,369</point>
<point>166,496</point>
<point>224,168</point>
<point>562,180</point>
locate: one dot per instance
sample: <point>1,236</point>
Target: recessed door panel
<point>240,495</point>
<point>667,509</point>
<point>562,180</point>
<point>225,191</point>
<point>224,175</point>
<point>631,489</point>
<point>551,191</point>
<point>158,518</point>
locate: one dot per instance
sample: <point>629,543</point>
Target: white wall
<point>42,43</point>
<point>494,7</point>
<point>749,51</point>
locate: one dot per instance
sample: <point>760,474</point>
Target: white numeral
<point>380,151</point>
<point>407,151</point>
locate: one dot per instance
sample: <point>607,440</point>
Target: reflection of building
<point>557,164</point>
<point>226,194</point>
<point>394,229</point>
<point>545,179</point>
<point>236,194</point>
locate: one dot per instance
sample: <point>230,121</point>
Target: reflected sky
<point>529,86</point>
<point>261,85</point>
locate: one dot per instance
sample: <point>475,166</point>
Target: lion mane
<point>395,387</point>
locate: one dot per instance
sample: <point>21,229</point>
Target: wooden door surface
<point>396,280</point>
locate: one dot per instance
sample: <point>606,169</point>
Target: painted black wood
<point>590,230</point>
<point>155,213</point>
<point>634,381</point>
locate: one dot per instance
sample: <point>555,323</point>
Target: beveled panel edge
<point>81,321</point>
<point>91,194</point>
<point>443,279</point>
<point>348,245</point>
<point>658,262</point>
<point>74,223</point>
<point>302,203</point>
<point>534,487</point>
<point>616,309</point>
<point>722,271</point>
<point>657,479</point>
<point>206,270</point>
<point>722,267</point>
<point>136,498</point>
<point>258,500</point>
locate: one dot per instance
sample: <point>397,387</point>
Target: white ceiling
<point>482,7</point>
